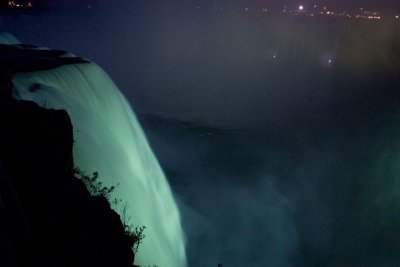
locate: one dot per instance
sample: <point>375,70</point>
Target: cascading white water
<point>109,139</point>
<point>8,39</point>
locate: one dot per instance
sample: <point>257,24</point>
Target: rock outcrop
<point>48,218</point>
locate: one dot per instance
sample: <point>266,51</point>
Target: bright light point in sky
<point>397,16</point>
<point>301,7</point>
<point>330,61</point>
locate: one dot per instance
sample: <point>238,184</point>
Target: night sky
<point>336,3</point>
<point>279,135</point>
<point>383,5</point>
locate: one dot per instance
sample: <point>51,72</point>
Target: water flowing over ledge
<point>109,139</point>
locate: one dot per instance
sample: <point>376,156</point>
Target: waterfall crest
<point>8,39</point>
<point>109,139</point>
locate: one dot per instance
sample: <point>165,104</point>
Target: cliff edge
<point>48,217</point>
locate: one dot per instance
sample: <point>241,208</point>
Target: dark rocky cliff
<point>47,216</point>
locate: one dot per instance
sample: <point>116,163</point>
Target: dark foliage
<point>135,233</point>
<point>93,185</point>
<point>96,188</point>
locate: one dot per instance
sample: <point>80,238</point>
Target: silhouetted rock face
<point>25,58</point>
<point>51,218</point>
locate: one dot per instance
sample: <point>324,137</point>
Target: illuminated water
<point>109,139</point>
<point>7,38</point>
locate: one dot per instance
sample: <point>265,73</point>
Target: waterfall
<point>8,39</point>
<point>109,140</point>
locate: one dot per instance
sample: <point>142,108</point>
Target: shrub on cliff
<point>96,188</point>
<point>93,185</point>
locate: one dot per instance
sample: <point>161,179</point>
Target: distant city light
<point>19,4</point>
<point>308,9</point>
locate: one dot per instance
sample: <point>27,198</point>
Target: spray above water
<point>109,139</point>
